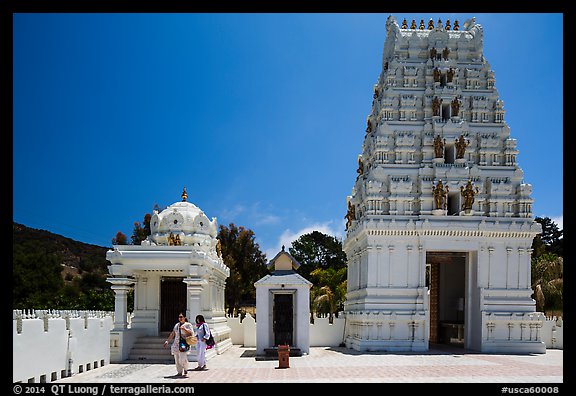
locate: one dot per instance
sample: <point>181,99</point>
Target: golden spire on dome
<point>456,26</point>
<point>404,24</point>
<point>413,24</point>
<point>184,195</point>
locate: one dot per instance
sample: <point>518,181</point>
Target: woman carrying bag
<point>203,334</point>
<point>182,330</point>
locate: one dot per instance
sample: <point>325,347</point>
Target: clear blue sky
<point>260,116</point>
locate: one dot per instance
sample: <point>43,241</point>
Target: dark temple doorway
<point>172,302</point>
<point>446,280</point>
<point>283,315</point>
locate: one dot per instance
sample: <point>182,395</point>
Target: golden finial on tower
<point>184,195</point>
<point>404,24</point>
<point>413,24</point>
<point>448,24</point>
<point>456,26</point>
<point>421,27</point>
<point>430,24</point>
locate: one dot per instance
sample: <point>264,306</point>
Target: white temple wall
<point>61,343</point>
<point>263,312</point>
<point>146,314</point>
<point>302,319</point>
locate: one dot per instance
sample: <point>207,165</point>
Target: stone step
<point>150,349</point>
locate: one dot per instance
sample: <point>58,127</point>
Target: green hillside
<point>50,271</point>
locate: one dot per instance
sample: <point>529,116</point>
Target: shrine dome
<point>181,223</point>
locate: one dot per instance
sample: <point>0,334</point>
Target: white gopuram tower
<point>440,225</point>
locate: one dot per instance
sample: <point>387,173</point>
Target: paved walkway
<point>335,364</point>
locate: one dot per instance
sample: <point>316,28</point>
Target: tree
<point>548,266</point>
<point>550,240</point>
<point>547,282</point>
<point>329,297</point>
<point>141,232</point>
<point>36,278</point>
<point>120,239</point>
<point>317,250</point>
<point>247,265</point>
<point>323,262</point>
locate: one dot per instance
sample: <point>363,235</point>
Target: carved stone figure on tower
<point>436,106</point>
<point>436,74</point>
<point>350,216</point>
<point>461,145</point>
<point>440,192</point>
<point>438,147</point>
<point>360,169</point>
<point>218,248</point>
<point>450,74</point>
<point>369,127</point>
<point>455,107</point>
<point>445,53</point>
<point>433,53</point>
<point>468,194</point>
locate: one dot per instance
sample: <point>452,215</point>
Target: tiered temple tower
<point>440,225</point>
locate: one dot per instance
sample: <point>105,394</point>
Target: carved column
<point>120,286</point>
<point>194,287</point>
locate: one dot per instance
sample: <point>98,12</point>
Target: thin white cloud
<point>559,220</point>
<point>267,219</point>
<point>256,214</point>
<point>231,214</point>
<point>289,236</point>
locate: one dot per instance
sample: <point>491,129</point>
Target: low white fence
<point>322,333</point>
<point>48,345</point>
<point>553,333</point>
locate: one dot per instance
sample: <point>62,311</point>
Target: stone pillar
<point>121,286</point>
<point>195,285</point>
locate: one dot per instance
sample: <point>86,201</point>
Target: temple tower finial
<point>184,195</point>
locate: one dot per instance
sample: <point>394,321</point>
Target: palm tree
<point>330,297</point>
<point>548,282</point>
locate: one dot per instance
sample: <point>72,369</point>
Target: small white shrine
<point>178,268</point>
<point>440,225</point>
<point>283,307</point>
